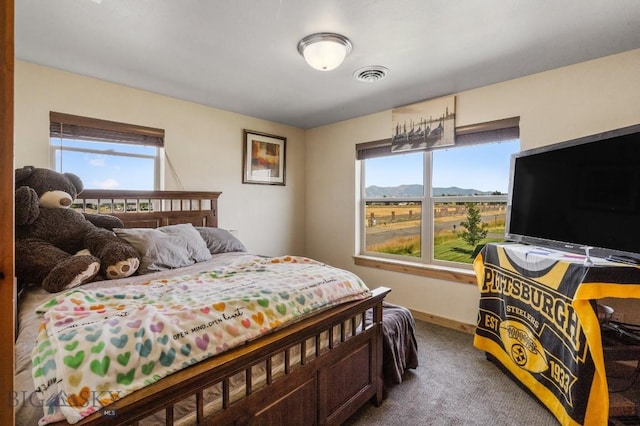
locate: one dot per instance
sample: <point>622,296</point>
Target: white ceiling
<point>240,55</point>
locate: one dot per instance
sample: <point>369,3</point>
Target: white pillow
<point>167,247</point>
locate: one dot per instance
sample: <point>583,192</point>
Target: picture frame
<point>424,126</point>
<point>263,158</point>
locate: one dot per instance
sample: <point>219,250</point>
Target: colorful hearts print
<point>51,303</point>
<point>134,324</point>
<point>75,379</point>
<point>64,322</point>
<point>71,346</point>
<point>68,336</point>
<point>202,342</point>
<point>185,349</point>
<point>79,400</point>
<point>120,342</point>
<point>157,328</point>
<point>100,367</point>
<point>258,318</point>
<point>123,359</point>
<point>97,348</point>
<point>166,359</point>
<point>232,329</point>
<point>144,349</point>
<point>74,361</point>
<point>126,379</point>
<point>42,371</point>
<point>148,367</point>
<point>93,337</point>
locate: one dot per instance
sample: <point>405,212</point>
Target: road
<point>382,233</point>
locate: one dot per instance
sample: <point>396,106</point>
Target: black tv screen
<point>583,192</point>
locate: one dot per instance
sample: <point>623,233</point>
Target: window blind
<point>491,131</point>
<point>69,126</point>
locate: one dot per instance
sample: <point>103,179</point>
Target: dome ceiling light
<point>324,51</point>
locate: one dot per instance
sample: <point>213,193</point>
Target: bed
<point>317,368</point>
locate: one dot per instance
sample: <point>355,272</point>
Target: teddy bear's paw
<point>123,269</point>
<point>84,276</point>
<point>71,272</point>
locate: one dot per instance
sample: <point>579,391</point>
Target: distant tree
<point>476,230</point>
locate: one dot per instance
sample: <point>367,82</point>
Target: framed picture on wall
<point>263,158</point>
<point>425,125</point>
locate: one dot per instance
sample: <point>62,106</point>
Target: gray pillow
<point>167,247</point>
<point>220,240</point>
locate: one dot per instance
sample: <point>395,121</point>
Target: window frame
<point>426,265</point>
<point>87,129</point>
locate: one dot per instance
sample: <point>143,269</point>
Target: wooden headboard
<point>152,209</point>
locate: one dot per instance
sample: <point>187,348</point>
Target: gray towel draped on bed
<point>399,349</point>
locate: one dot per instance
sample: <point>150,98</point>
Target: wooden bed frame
<point>324,388</point>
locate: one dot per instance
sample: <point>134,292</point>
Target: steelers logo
<point>523,347</point>
<point>519,354</point>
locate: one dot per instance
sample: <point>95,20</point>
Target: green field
<point>453,249</point>
<point>448,244</point>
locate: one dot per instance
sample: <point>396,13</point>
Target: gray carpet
<point>454,385</point>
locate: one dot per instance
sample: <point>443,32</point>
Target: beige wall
<point>553,106</point>
<point>203,144</point>
<point>315,213</point>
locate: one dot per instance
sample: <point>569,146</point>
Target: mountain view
<point>417,191</point>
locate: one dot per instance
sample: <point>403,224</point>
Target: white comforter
<point>102,341</point>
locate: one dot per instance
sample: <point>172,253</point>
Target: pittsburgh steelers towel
<point>537,318</point>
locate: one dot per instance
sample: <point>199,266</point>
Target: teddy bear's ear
<point>24,173</point>
<point>76,181</point>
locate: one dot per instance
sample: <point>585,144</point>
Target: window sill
<point>432,271</point>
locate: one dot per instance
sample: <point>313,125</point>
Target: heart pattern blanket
<point>96,346</point>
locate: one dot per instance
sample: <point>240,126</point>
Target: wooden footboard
<point>318,384</point>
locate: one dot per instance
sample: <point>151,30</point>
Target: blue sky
<point>106,170</point>
<point>483,167</point>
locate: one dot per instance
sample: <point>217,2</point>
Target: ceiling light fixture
<point>324,51</point>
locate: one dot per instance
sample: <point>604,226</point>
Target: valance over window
<point>491,131</point>
<point>69,126</point>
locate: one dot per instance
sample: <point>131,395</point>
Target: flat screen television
<point>579,193</point>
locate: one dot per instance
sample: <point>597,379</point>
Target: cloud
<point>97,162</point>
<point>108,184</point>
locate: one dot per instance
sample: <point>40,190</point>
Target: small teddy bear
<point>49,234</point>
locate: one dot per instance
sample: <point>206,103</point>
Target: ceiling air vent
<point>371,73</point>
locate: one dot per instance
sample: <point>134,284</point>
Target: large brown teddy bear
<point>49,234</point>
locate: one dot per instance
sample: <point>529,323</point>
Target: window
<point>106,154</point>
<point>462,208</point>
